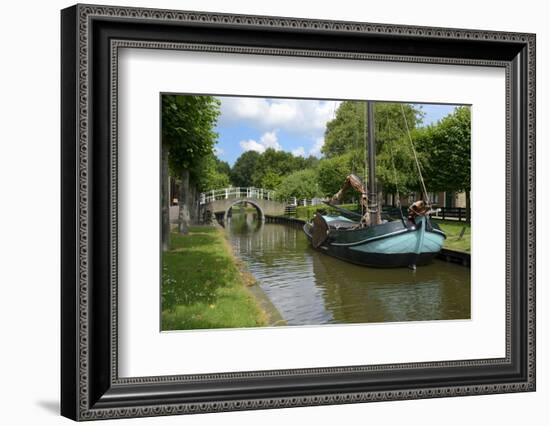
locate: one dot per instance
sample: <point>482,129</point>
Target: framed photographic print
<point>263,212</point>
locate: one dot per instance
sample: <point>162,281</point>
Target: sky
<point>293,125</point>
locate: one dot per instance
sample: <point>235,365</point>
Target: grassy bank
<point>203,286</point>
<point>453,230</point>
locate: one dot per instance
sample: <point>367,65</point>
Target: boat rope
<point>415,156</point>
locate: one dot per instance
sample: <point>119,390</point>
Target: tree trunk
<point>165,201</point>
<point>193,204</point>
<point>183,199</point>
<point>468,213</point>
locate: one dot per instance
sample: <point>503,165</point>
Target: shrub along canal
<point>308,287</point>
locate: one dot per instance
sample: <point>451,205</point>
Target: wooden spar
<point>371,154</point>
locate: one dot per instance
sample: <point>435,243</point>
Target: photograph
<point>279,212</point>
<point>275,208</point>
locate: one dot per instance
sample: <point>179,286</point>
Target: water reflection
<point>309,287</point>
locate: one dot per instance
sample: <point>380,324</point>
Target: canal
<point>309,288</point>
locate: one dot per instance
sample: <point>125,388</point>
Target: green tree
<point>210,173</point>
<point>299,184</point>
<point>244,168</point>
<point>269,180</point>
<point>266,170</point>
<point>222,167</point>
<point>187,136</point>
<point>311,162</point>
<point>217,180</point>
<point>346,133</point>
<point>274,163</point>
<point>332,172</point>
<point>445,152</point>
<point>301,163</point>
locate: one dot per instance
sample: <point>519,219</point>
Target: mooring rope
<point>415,156</point>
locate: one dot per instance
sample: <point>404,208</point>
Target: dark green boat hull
<point>388,245</point>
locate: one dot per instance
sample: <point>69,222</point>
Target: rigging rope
<point>415,156</point>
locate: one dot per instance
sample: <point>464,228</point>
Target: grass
<point>203,285</point>
<point>453,230</point>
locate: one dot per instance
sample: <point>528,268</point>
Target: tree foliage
<point>332,172</point>
<point>272,166</point>
<point>266,170</point>
<point>188,137</point>
<point>222,167</point>
<point>244,168</point>
<point>346,134</point>
<point>299,184</point>
<point>268,179</point>
<point>210,173</point>
<point>445,152</point>
<point>188,124</point>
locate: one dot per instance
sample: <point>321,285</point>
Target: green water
<point>308,287</point>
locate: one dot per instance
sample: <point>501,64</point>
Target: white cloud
<point>299,152</point>
<point>298,116</point>
<point>252,145</point>
<point>316,148</point>
<point>218,151</point>
<point>267,140</point>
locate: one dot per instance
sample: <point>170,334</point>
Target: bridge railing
<point>293,201</point>
<point>236,192</point>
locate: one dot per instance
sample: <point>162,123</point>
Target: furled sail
<point>354,182</point>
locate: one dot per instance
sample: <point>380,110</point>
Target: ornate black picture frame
<point>91,37</point>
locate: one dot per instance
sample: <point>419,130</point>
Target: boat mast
<point>371,155</point>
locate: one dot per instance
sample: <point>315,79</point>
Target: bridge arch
<point>243,201</point>
<point>218,202</point>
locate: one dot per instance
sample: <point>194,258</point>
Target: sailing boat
<point>366,239</point>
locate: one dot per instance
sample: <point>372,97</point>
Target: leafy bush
<point>300,184</point>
